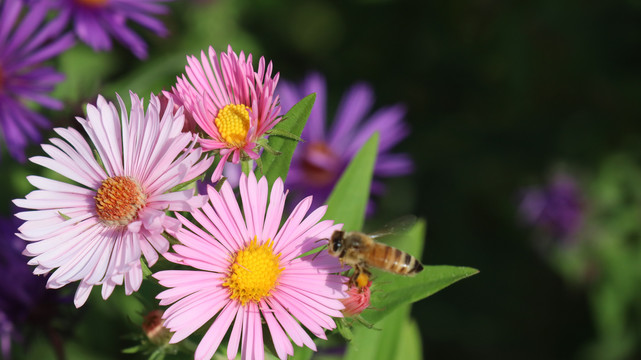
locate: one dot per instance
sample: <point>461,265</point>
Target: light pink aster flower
<point>95,231</point>
<point>247,271</point>
<point>230,102</point>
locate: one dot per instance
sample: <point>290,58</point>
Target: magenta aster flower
<point>95,232</point>
<point>233,104</point>
<point>247,271</point>
<point>26,40</point>
<point>318,163</point>
<point>96,21</point>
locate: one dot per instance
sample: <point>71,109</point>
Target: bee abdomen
<point>394,260</point>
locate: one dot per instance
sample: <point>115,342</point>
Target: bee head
<point>336,243</point>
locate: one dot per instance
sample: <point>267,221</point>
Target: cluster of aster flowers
<point>29,37</point>
<point>239,261</point>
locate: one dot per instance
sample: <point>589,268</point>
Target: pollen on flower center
<point>253,272</point>
<point>232,122</point>
<point>92,3</point>
<point>118,200</point>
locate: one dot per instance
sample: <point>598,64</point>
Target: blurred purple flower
<point>96,21</point>
<point>556,209</point>
<point>26,40</point>
<point>23,296</point>
<point>318,162</point>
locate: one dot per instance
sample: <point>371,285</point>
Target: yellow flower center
<point>232,122</point>
<point>92,3</point>
<point>118,200</point>
<point>253,272</point>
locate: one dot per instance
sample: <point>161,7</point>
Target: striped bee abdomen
<point>393,260</point>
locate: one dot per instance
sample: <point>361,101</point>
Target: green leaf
<point>66,217</point>
<point>303,353</point>
<point>132,350</point>
<point>146,272</point>
<point>275,166</point>
<point>393,291</point>
<point>379,344</point>
<point>389,291</point>
<point>410,345</point>
<point>348,200</point>
<point>190,184</point>
<point>246,166</point>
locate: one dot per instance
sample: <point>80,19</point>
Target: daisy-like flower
<point>95,22</point>
<point>247,270</point>
<point>230,102</point>
<point>96,230</point>
<point>557,208</point>
<point>26,40</point>
<point>318,162</point>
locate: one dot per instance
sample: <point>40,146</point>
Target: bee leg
<point>353,280</point>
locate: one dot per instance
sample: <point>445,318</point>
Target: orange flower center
<point>118,200</point>
<point>232,122</point>
<point>92,3</point>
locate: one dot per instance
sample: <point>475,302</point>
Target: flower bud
<point>153,326</point>
<point>358,300</point>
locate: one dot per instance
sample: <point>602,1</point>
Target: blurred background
<point>502,98</point>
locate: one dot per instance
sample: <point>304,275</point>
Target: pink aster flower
<point>95,231</point>
<point>230,102</point>
<point>97,21</point>
<point>358,300</point>
<point>247,270</point>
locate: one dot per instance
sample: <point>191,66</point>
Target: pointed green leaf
<point>275,166</point>
<point>391,300</point>
<point>390,291</point>
<point>380,343</point>
<point>348,201</point>
<point>190,184</point>
<point>132,350</point>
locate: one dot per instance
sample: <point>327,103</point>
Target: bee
<point>360,251</point>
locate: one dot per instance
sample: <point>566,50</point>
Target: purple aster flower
<point>97,21</point>
<point>26,40</point>
<point>23,296</point>
<point>318,163</point>
<point>557,208</point>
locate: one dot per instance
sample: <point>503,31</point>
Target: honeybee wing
<point>397,226</point>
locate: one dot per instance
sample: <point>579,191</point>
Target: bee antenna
<point>319,251</point>
<point>319,240</point>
